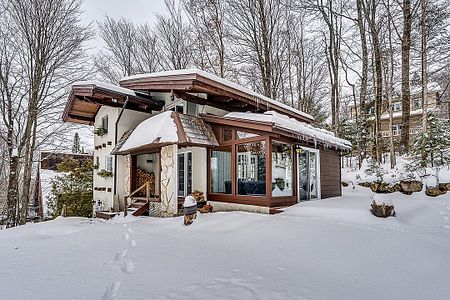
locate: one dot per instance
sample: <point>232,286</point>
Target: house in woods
<point>436,103</point>
<point>47,170</point>
<point>160,136</point>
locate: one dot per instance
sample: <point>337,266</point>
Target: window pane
<point>181,174</point>
<point>244,135</point>
<point>227,134</point>
<point>251,168</point>
<point>282,166</point>
<point>221,170</point>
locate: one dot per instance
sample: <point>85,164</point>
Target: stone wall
<point>169,194</point>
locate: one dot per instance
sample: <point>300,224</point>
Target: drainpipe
<point>115,143</point>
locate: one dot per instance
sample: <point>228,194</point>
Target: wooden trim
<point>268,169</point>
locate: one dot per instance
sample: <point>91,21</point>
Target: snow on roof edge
<point>220,80</point>
<point>106,86</point>
<point>291,124</point>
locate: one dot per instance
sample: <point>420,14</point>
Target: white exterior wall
<point>105,197</point>
<point>129,120</point>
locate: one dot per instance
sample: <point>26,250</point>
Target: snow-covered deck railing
<point>259,100</point>
<point>304,131</point>
<point>164,129</point>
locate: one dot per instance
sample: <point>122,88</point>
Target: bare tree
<point>207,19</point>
<point>175,38</point>
<point>48,41</point>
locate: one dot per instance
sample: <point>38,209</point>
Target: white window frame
<point>185,155</point>
<point>396,106</point>
<point>109,163</point>
<point>396,129</point>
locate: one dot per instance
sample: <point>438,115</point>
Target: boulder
<point>445,186</point>
<point>384,188</point>
<point>432,191</point>
<point>409,187</point>
<point>364,184</point>
<point>382,206</point>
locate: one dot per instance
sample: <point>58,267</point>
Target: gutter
<point>115,143</point>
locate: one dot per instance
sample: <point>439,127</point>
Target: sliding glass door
<point>308,174</point>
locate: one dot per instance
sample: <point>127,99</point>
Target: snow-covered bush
<point>375,169</point>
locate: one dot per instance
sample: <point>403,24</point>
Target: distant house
<point>47,170</point>
<point>160,136</point>
<point>435,104</point>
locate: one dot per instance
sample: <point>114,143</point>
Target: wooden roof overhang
<point>220,95</point>
<point>85,101</point>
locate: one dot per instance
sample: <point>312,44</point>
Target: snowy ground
<point>327,249</point>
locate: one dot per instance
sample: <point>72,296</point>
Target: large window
<point>221,169</point>
<point>184,174</point>
<point>282,166</point>
<point>251,168</point>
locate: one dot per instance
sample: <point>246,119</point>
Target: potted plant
<point>100,131</point>
<point>104,174</point>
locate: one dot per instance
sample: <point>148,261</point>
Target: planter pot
<point>190,210</point>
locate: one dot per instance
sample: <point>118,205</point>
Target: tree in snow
<point>431,148</point>
<point>76,144</point>
<point>72,189</point>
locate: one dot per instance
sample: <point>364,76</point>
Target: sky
<point>138,11</point>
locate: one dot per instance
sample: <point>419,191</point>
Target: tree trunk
<point>406,97</point>
<point>362,127</point>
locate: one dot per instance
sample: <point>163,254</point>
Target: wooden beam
<point>202,101</point>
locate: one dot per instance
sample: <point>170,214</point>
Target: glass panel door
<point>308,174</point>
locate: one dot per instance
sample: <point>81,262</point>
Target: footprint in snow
<point>133,243</point>
<point>126,236</point>
<point>128,266</point>
<point>130,230</point>
<point>111,292</point>
<point>121,255</point>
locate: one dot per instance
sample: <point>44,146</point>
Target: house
<point>162,135</point>
<point>47,170</point>
<point>434,102</point>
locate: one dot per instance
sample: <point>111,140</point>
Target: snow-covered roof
<point>160,129</point>
<point>222,81</point>
<point>309,132</point>
<point>166,128</point>
<point>106,86</point>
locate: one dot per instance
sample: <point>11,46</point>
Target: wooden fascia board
<point>254,101</point>
<point>239,123</point>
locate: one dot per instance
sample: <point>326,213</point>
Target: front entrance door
<point>308,173</point>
